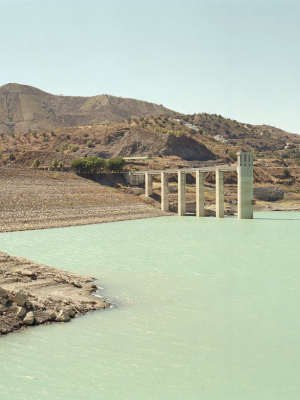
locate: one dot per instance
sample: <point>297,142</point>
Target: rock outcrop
<point>33,294</point>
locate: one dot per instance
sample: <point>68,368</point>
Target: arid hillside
<point>25,108</point>
<point>199,137</point>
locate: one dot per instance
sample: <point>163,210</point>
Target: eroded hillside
<point>24,108</point>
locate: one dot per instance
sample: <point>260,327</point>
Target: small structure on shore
<point>244,168</point>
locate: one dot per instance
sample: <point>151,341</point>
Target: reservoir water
<point>205,309</point>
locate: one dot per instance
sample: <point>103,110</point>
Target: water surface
<point>207,309</point>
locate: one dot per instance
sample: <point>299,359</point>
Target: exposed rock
<point>54,295</point>
<point>70,312</point>
<point>3,301</point>
<point>42,316</point>
<point>21,298</point>
<point>21,312</point>
<point>3,293</point>
<point>29,318</point>
<point>62,316</point>
<point>268,193</point>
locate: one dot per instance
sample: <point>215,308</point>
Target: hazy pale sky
<point>237,58</point>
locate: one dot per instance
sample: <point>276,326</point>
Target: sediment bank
<point>32,199</point>
<point>33,294</point>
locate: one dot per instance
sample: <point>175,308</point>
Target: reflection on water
<point>208,309</point>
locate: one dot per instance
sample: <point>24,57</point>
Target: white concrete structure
<point>199,193</point>
<point>181,193</point>
<point>245,185</point>
<point>164,191</point>
<point>219,193</point>
<point>244,169</point>
<point>134,179</point>
<point>148,184</point>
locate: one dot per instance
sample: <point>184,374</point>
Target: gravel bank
<point>32,199</point>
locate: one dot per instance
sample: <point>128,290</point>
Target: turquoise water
<point>206,309</point>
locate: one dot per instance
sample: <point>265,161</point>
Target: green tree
<point>115,164</point>
<point>88,165</point>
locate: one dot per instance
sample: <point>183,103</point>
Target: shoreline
<point>19,225</point>
<point>32,294</point>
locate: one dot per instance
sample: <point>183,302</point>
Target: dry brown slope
<point>24,108</point>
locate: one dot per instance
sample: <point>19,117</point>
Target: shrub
<point>73,148</point>
<point>88,165</point>
<point>36,163</point>
<point>115,164</point>
<point>286,173</point>
<point>63,146</point>
<point>90,144</point>
<point>12,157</point>
<point>54,163</point>
<point>232,155</point>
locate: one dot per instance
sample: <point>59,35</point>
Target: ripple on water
<point>208,309</point>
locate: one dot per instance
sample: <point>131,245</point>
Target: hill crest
<point>25,108</point>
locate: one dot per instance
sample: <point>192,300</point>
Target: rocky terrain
<point>33,294</point>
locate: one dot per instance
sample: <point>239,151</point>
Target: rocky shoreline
<point>33,294</point>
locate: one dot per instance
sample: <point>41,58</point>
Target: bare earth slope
<point>32,294</point>
<point>42,199</point>
<point>24,108</point>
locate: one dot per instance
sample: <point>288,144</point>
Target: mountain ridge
<point>25,108</point>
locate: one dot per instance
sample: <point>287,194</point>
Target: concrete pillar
<point>181,193</point>
<point>148,184</point>
<point>245,185</point>
<point>164,191</point>
<point>199,194</point>
<point>219,193</point>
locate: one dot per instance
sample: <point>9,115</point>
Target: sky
<point>237,58</point>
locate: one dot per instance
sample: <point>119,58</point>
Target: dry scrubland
<point>32,199</point>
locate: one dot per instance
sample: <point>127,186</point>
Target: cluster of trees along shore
<point>88,165</point>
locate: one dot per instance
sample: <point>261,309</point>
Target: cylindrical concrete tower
<point>245,185</point>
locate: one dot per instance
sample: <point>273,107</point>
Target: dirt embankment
<point>33,294</point>
<point>42,199</point>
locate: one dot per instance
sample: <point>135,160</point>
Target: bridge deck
<point>187,170</point>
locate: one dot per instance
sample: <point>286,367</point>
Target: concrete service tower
<point>245,185</point>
